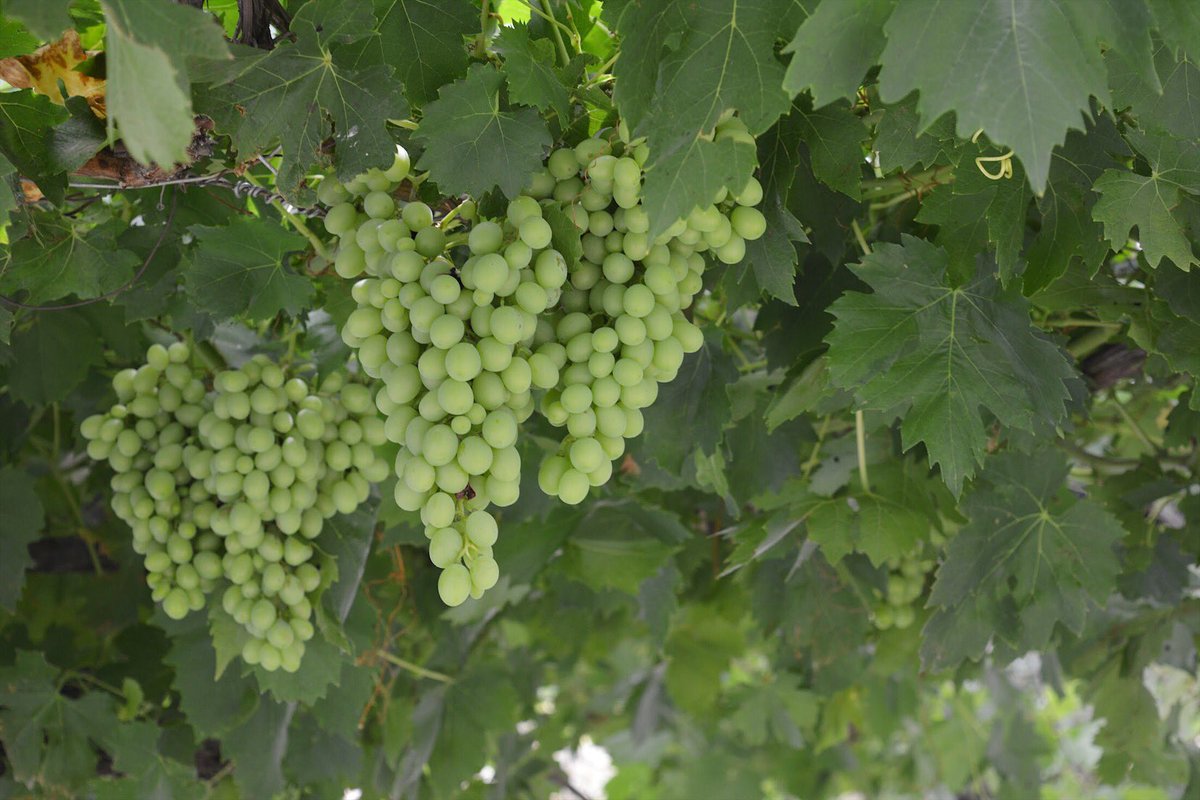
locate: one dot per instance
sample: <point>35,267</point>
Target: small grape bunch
<point>285,456</point>
<point>905,584</point>
<point>148,439</point>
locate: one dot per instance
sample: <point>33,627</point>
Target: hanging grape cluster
<point>462,331</point>
<point>230,487</point>
<point>895,605</point>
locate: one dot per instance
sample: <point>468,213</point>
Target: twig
<point>862,240</point>
<point>860,439</point>
<point>415,669</point>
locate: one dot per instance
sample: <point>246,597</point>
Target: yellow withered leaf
<point>42,69</point>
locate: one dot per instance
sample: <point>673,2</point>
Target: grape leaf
<point>1149,202</point>
<point>1068,232</point>
<point>51,357</point>
<point>834,48</point>
<point>213,705</point>
<point>136,753</point>
<point>15,40</point>
<point>975,213</point>
<point>422,40</point>
<point>1178,338</point>
<point>529,66</point>
<point>782,709</point>
<point>27,120</point>
<point>46,19</point>
<point>473,142</point>
<point>309,89</point>
<point>834,136</point>
<point>647,31</point>
<point>946,352</point>
<point>771,260</point>
<point>241,268</point>
<point>1020,71</point>
<point>903,143</point>
<point>619,545</point>
<point>725,60</point>
<point>148,89</point>
<point>698,650</point>
<point>1031,543</point>
<point>257,748</point>
<point>690,173</point>
<point>20,524</point>
<point>47,737</point>
<point>58,258</point>
<point>690,410</point>
<point>460,720</point>
<point>1178,23</point>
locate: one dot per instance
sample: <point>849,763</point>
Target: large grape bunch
<point>463,330</point>
<point>229,488</point>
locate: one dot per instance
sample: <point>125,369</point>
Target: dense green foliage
<point>793,398</point>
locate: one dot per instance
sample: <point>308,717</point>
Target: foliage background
<point>915,353</point>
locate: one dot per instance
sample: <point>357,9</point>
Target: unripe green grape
<point>521,208</point>
<point>417,216</point>
<point>445,289</point>
<point>430,241</point>
<point>550,269</point>
<point>507,325</point>
<point>531,297</point>
<point>535,232</point>
<point>582,424</point>
<point>341,219</point>
<point>445,547</point>
<point>474,455</point>
<point>484,574</point>
<point>455,397</point>
<point>176,603</point>
<point>606,391</point>
<point>439,445</point>
<point>398,171</point>
<point>626,173</point>
<point>542,371</point>
<point>562,164</point>
<point>454,585</point>
<point>461,425</point>
<point>573,486</point>
<point>489,273</point>
<point>576,398</point>
<point>268,657</point>
<point>566,192</point>
<point>499,428</point>
<point>634,423</point>
<point>489,391</point>
<point>379,205</point>
<point>486,237</point>
<point>502,492</point>
<point>439,510</point>
<point>733,251</point>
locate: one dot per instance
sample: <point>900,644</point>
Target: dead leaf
<point>42,69</point>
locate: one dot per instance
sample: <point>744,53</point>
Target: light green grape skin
<point>454,585</point>
<point>341,219</point>
<point>445,547</point>
<point>485,572</point>
<point>417,216</point>
<point>481,529</point>
<point>573,487</point>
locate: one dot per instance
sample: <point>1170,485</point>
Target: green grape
<point>417,216</point>
<point>454,585</point>
<point>341,219</point>
<point>379,205</point>
<point>445,547</point>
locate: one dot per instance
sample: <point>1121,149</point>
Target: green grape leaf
<point>8,184</point>
<point>780,709</point>
<point>241,268</point>
<point>15,40</point>
<point>58,257</point>
<point>257,748</point>
<point>1032,556</point>
<point>692,409</point>
<point>771,260</point>
<point>1149,202</point>
<point>48,738</point>
<point>52,357</point>
<point>1022,73</point>
<point>1178,338</point>
<point>834,136</point>
<point>834,48</point>
<point>148,89</point>
<point>213,705</point>
<point>698,650</point>
<point>26,121</point>
<point>452,726</point>
<point>473,142</point>
<point>529,67</point>
<point>946,352</point>
<point>647,31</point>
<point>658,600</point>
<point>20,524</point>
<point>903,142</point>
<point>619,545</point>
<point>565,237</point>
<point>975,213</point>
<point>46,19</point>
<point>690,173</point>
<point>1178,23</point>
<point>147,772</point>
<point>308,90</point>
<point>423,41</point>
<point>1068,232</point>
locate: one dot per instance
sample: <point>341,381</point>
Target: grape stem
<point>484,16</point>
<point>555,26</point>
<point>860,439</point>
<point>415,669</point>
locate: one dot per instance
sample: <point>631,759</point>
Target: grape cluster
<point>905,584</point>
<point>146,437</point>
<point>463,330</point>
<point>231,487</point>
